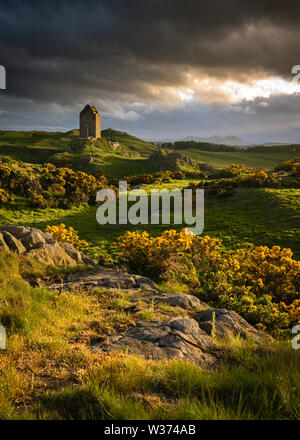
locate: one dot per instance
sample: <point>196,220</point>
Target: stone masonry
<point>90,123</point>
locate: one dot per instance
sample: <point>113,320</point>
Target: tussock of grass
<point>131,388</point>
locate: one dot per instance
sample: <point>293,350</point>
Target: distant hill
<point>215,139</point>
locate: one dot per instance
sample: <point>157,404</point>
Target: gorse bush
<point>66,235</point>
<point>50,186</point>
<point>159,177</point>
<point>229,179</point>
<point>262,284</point>
<point>291,166</point>
<point>4,196</point>
<point>231,171</point>
<point>151,254</point>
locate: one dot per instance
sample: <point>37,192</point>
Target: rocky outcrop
<point>40,245</point>
<point>177,338</point>
<point>163,160</point>
<point>12,243</point>
<point>182,300</point>
<point>188,337</point>
<point>107,278</point>
<point>227,324</point>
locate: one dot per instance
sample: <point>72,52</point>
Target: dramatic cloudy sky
<point>155,68</point>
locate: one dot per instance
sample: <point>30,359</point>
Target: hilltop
<point>131,157</point>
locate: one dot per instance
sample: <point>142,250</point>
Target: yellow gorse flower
<point>66,235</point>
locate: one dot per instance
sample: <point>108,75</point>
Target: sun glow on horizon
<point>233,92</point>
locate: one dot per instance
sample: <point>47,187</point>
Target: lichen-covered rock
<point>227,324</point>
<point>106,278</point>
<point>13,243</point>
<point>176,338</point>
<point>17,231</point>
<point>33,239</point>
<point>182,337</point>
<point>41,246</point>
<point>183,300</point>
<point>3,244</point>
<point>75,254</point>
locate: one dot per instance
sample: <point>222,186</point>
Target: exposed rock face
<point>40,245</point>
<point>107,278</point>
<point>13,243</point>
<point>187,302</point>
<point>3,244</point>
<point>228,323</point>
<point>187,337</point>
<point>171,161</point>
<point>177,338</point>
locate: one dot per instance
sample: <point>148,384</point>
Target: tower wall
<point>90,123</point>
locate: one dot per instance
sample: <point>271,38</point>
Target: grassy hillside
<point>260,216</point>
<point>35,147</point>
<point>42,147</point>
<point>256,159</point>
<point>131,143</point>
<point>129,159</point>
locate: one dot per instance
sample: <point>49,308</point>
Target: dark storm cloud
<point>55,50</point>
<point>65,53</point>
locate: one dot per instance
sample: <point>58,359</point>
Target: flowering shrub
<point>252,178</point>
<point>231,171</point>
<point>262,284</point>
<point>290,166</point>
<point>4,196</point>
<point>159,177</point>
<point>69,187</point>
<point>38,201</point>
<point>50,186</point>
<point>149,254</point>
<point>66,235</point>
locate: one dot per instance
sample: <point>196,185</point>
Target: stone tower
<point>90,122</point>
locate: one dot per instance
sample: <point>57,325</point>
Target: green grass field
<point>259,216</point>
<point>223,159</point>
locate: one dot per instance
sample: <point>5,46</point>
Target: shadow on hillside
<point>27,154</point>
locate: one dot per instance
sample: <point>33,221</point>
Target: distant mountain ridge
<point>230,140</point>
<point>215,139</point>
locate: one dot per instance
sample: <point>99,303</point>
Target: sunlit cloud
<point>186,95</point>
<point>212,90</point>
